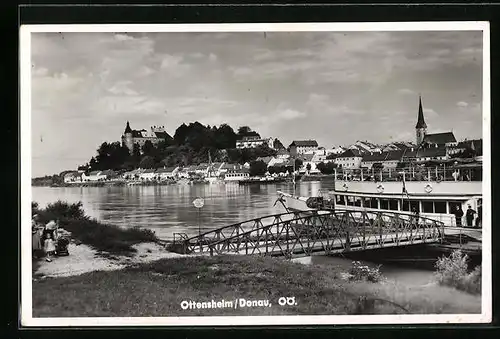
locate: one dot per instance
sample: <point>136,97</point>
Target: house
<point>82,169</point>
<point>93,176</point>
<point>365,146</point>
<point>431,153</point>
<point>135,174</point>
<point>350,159</point>
<point>282,154</point>
<point>440,139</point>
<point>302,146</point>
<point>267,160</point>
<point>388,159</point>
<point>167,173</point>
<point>474,146</point>
<point>109,174</point>
<point>72,177</point>
<point>236,173</point>
<point>148,174</point>
<point>335,150</point>
<point>202,169</point>
<point>254,141</point>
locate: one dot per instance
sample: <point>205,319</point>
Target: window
<point>384,204</point>
<point>339,199</point>
<point>393,205</point>
<point>427,207</point>
<point>406,205</point>
<point>414,206</point>
<point>350,201</point>
<point>439,207</point>
<point>374,203</point>
<point>367,202</point>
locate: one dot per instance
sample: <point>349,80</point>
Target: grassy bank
<point>102,237</point>
<point>158,288</point>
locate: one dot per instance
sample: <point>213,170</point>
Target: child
<point>49,246</point>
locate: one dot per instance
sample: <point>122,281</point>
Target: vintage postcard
<point>255,174</point>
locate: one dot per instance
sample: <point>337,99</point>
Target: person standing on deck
<point>455,175</point>
<point>469,215</point>
<point>458,216</point>
<point>479,214</point>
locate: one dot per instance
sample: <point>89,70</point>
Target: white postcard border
<point>27,318</point>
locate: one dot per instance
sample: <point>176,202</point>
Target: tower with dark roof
<point>421,127</point>
<point>127,138</point>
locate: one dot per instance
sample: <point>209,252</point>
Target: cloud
<point>122,88</point>
<point>290,114</point>
<point>406,91</point>
<point>212,57</point>
<point>123,37</point>
<point>462,104</point>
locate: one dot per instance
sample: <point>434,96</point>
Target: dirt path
<point>83,259</point>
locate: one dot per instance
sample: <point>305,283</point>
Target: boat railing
<point>436,174</point>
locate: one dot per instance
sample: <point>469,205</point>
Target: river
<point>169,209</point>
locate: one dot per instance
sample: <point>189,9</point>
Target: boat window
<point>374,203</point>
<point>406,205</point>
<point>350,201</point>
<point>340,200</point>
<point>439,207</point>
<point>427,206</point>
<point>357,201</point>
<point>393,205</point>
<point>414,206</point>
<point>453,206</point>
<point>367,202</point>
<point>384,204</point>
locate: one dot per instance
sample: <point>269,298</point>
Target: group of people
<point>46,240</point>
<point>469,216</point>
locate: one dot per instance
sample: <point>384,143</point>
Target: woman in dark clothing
<point>458,216</point>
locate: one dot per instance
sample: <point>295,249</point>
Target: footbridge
<point>318,232</point>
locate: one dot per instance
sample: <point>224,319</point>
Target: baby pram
<point>62,246</point>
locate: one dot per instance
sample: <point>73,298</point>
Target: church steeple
<point>420,122</point>
<point>421,127</point>
<point>128,129</point>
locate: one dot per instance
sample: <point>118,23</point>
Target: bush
<point>453,271</point>
<point>359,272</point>
<point>103,237</point>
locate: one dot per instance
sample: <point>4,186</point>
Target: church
<point>155,135</point>
<point>425,140</point>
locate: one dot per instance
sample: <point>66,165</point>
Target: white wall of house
<point>349,162</point>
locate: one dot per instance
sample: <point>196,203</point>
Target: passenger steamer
<point>431,192</point>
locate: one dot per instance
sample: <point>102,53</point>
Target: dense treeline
<point>190,145</point>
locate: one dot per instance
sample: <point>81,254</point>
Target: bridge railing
<point>328,230</point>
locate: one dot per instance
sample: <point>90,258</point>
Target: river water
<point>169,209</point>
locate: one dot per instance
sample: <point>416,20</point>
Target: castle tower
<point>421,127</point>
<point>127,138</point>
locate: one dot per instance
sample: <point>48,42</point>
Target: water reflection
<point>169,209</point>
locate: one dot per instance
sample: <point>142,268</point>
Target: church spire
<point>128,129</point>
<point>420,122</point>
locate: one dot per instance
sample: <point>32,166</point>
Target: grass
<point>102,237</point>
<point>158,288</point>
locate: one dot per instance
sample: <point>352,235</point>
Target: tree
<point>147,162</point>
<point>298,163</point>
<point>326,168</point>
<point>257,168</point>
<point>148,148</point>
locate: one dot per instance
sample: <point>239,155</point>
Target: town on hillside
<point>155,157</point>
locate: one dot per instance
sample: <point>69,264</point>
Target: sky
<point>334,87</point>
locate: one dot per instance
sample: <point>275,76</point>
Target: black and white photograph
<point>255,174</point>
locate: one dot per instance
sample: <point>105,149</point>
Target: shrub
<point>359,272</point>
<point>453,271</point>
<point>103,237</point>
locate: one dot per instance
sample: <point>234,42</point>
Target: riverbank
<point>158,288</point>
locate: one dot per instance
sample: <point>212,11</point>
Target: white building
<point>302,146</point>
<point>167,173</point>
<point>253,142</point>
<point>94,176</point>
<point>349,159</point>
